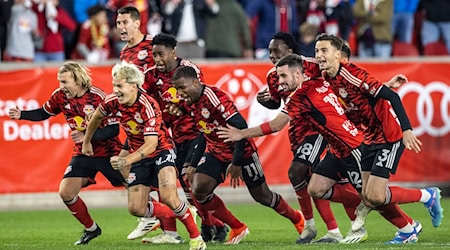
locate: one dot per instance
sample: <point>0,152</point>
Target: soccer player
<point>77,99</point>
<point>211,108</point>
<point>307,147</point>
<point>151,149</point>
<point>137,50</point>
<point>138,47</point>
<point>158,85</point>
<point>379,113</point>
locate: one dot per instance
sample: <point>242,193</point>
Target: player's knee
<point>297,173</point>
<point>66,195</point>
<point>136,210</point>
<point>375,198</point>
<point>316,191</point>
<point>199,194</point>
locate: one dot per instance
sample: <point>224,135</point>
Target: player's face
<point>127,27</point>
<point>126,93</point>
<point>189,89</point>
<point>289,78</point>
<point>278,49</point>
<point>68,85</point>
<point>327,55</point>
<point>164,57</point>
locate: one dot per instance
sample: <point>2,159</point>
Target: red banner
<point>35,154</point>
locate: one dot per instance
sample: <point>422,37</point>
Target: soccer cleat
<point>355,236</point>
<point>237,234</point>
<point>330,238</point>
<point>417,226</point>
<point>193,211</point>
<point>308,234</point>
<point>197,244</point>
<point>434,206</point>
<point>88,236</point>
<point>221,234</point>
<point>300,226</point>
<point>207,232</point>
<point>404,238</point>
<point>361,214</point>
<point>164,239</point>
<point>145,226</point>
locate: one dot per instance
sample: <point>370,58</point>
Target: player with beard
<point>379,113</point>
<point>212,108</point>
<point>77,99</point>
<point>151,149</point>
<point>307,146</point>
<point>158,85</point>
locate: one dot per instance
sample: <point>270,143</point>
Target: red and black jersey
<point>211,111</point>
<point>75,111</point>
<point>357,92</point>
<point>158,85</point>
<point>310,68</point>
<point>141,54</point>
<point>141,119</point>
<point>316,103</point>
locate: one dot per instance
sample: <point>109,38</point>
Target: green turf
<point>58,230</point>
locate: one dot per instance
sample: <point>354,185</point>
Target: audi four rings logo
<point>425,107</point>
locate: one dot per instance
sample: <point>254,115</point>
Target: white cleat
<point>197,244</point>
<point>308,234</point>
<point>164,239</point>
<point>361,214</point>
<point>355,236</point>
<point>145,226</point>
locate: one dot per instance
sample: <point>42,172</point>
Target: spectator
<point>307,41</point>
<point>345,18</point>
<point>51,20</point>
<point>141,5</point>
<point>228,34</point>
<point>5,13</point>
<point>374,27</point>
<point>272,16</point>
<point>187,20</point>
<point>93,41</point>
<point>321,14</point>
<point>22,25</point>
<point>403,19</point>
<point>437,22</point>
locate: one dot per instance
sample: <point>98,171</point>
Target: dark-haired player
<point>158,85</point>
<point>307,146</point>
<point>211,108</point>
<point>379,113</point>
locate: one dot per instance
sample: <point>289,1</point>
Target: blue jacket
<point>268,20</point>
<point>405,6</point>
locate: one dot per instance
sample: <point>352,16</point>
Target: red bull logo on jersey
<point>170,95</point>
<point>88,109</point>
<point>132,127</point>
<point>142,54</point>
<point>138,118</point>
<point>208,128</point>
<point>205,113</point>
<point>77,123</point>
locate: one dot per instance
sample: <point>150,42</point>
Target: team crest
<point>205,113</point>
<point>142,54</point>
<point>88,109</point>
<point>131,178</point>
<point>138,118</point>
<point>343,93</point>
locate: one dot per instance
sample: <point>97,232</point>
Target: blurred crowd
<point>55,30</point>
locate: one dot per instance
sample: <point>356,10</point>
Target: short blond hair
<point>128,72</point>
<point>80,73</point>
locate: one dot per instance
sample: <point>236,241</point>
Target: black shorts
<point>382,159</point>
<point>88,167</point>
<point>337,169</point>
<point>310,150</point>
<point>145,172</point>
<point>183,149</point>
<point>252,172</point>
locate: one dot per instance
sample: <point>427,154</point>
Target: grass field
<point>57,229</point>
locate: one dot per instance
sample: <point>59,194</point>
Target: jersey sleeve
<point>360,77</point>
<point>151,119</point>
<point>106,107</point>
<point>226,107</point>
<point>296,104</point>
<point>53,105</point>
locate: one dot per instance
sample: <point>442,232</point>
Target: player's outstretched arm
<point>30,115</point>
<point>231,133</point>
<point>94,123</point>
<point>396,81</point>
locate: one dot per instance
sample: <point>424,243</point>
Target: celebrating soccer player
<point>151,149</point>
<point>77,99</point>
